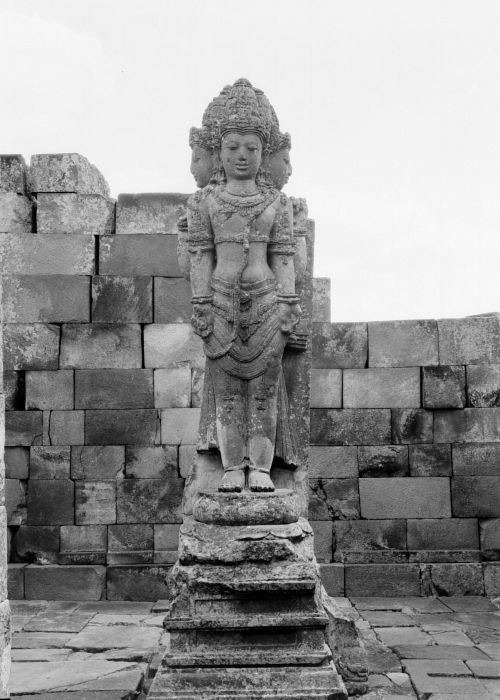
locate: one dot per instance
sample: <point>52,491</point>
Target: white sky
<point>393,107</point>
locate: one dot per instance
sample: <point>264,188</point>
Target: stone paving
<point>427,648</point>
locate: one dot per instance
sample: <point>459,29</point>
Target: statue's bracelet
<point>291,299</point>
<point>206,299</point>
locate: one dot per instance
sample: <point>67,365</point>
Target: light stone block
<point>15,213</point>
<point>167,345</point>
<point>403,343</point>
<point>339,345</point>
<point>408,497</point>
<point>50,390</point>
<point>483,385</point>
<point>471,340</point>
<point>95,502</point>
<point>31,346</point>
<point>179,426</point>
<point>139,254</point>
<point>476,459</point>
<point>321,302</point>
<point>75,213</point>
<point>65,428</point>
<point>333,462</point>
<point>99,346</point>
<point>65,172</point>
<point>173,387</point>
<point>382,388</point>
<point>12,173</point>
<point>149,213</point>
<point>469,425</point>
<point>326,388</point>
<point>58,254</point>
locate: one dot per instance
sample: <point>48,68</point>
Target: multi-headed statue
<point>240,249</point>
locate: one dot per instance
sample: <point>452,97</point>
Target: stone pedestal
<point>246,617</point>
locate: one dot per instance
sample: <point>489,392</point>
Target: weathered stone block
<point>382,387</point>
<point>15,581</point>
<point>475,496</point>
<point>50,390</point>
<point>83,544</point>
<point>405,498</point>
<point>469,425</point>
<point>15,213</point>
<point>50,502</point>
<point>166,345</point>
<point>97,346</point>
<point>139,254</point>
<point>483,385</point>
<point>457,579</point>
<point>114,388</point>
<point>125,427</point>
<point>149,500</point>
<point>12,173</point>
<point>54,582</point>
<point>75,213</point>
<point>197,382</point>
<point>130,544</point>
<point>410,426</point>
<point>138,582</point>
<point>122,299</point>
<point>403,343</point>
<point>482,459</point>
<point>383,460</point>
<point>173,387</point>
<point>323,540</point>
<point>14,390</point>
<point>382,580</point>
<point>187,454</point>
<point>179,426</point>
<point>23,428</point>
<point>98,463</point>
<point>95,502</point>
<point>332,578</point>
<point>17,460</point>
<point>37,545</point>
<point>339,345</point>
<point>150,462</point>
<point>46,298</point>
<point>331,499</point>
<point>368,535</point>
<point>172,300</point>
<point>64,428</point>
<point>31,346</point>
<point>15,501</point>
<point>350,426</point>
<point>49,462</point>
<point>321,305</point>
<point>326,388</point>
<point>166,541</point>
<point>443,534</point>
<point>471,340</point>
<point>430,460</point>
<point>59,254</point>
<point>149,213</point>
<point>333,462</point>
<point>65,172</point>
<point>492,579</point>
<point>489,532</point>
<point>443,386</point>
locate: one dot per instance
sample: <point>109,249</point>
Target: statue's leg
<point>262,420</point>
<point>230,400</point>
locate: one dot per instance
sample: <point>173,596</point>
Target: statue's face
<point>201,165</point>
<point>280,168</point>
<point>241,155</point>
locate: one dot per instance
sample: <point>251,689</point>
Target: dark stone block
<point>339,345</point>
<point>469,425</point>
<point>443,386</point>
<point>15,501</point>
<point>331,499</point>
<point>443,534</point>
<point>483,385</point>
<point>23,428</point>
<point>430,460</point>
<point>476,459</point>
<point>403,343</point>
<point>369,535</point>
<point>31,346</point>
<point>149,500</point>
<point>122,299</point>
<point>332,578</point>
<point>150,462</point>
<point>130,544</point>
<point>475,496</point>
<point>13,387</point>
<point>83,544</point>
<point>172,300</point>
<point>101,345</point>
<point>149,213</point>
<point>51,502</point>
<point>49,462</point>
<point>36,545</point>
<point>97,463</point>
<point>354,426</point>
<point>412,425</point>
<point>115,427</point>
<point>46,298</point>
<point>382,580</point>
<point>137,582</point>
<point>383,460</point>
<point>51,390</point>
<point>52,582</point>
<point>114,388</point>
<point>95,502</point>
<point>17,461</point>
<point>452,579</point>
<point>139,254</point>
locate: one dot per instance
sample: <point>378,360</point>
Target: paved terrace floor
<point>426,648</point>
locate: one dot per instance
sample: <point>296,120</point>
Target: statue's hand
<point>289,316</point>
<point>297,341</point>
<point>202,320</point>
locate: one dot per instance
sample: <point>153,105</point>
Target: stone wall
<point>103,379</point>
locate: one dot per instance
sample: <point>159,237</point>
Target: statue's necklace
<point>248,205</point>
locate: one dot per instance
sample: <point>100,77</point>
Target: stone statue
<point>241,248</point>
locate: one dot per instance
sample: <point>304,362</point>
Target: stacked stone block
<point>103,380</point>
<point>405,435</point>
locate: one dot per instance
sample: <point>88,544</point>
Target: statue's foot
<point>259,481</point>
<point>233,480</point>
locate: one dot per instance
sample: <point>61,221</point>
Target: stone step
<point>247,507</point>
<point>298,656</point>
<point>236,622</point>
<point>257,683</point>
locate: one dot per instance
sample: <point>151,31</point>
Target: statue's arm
<point>300,234</point>
<point>201,251</point>
<point>281,254</point>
